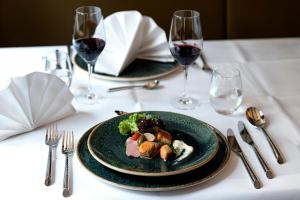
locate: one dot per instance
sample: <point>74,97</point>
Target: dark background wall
<point>50,22</point>
<point>262,18</point>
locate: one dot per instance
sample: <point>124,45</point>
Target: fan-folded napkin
<point>32,101</point>
<point>130,36</point>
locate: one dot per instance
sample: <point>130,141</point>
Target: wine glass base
<point>88,98</point>
<point>184,103</point>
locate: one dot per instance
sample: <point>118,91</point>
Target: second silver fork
<point>51,140</point>
<point>68,150</point>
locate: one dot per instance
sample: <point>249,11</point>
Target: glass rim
<point>235,71</point>
<point>194,14</point>
<point>80,10</point>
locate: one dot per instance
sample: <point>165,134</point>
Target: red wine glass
<point>185,42</point>
<point>89,42</point>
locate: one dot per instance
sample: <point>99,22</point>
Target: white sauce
<point>182,148</point>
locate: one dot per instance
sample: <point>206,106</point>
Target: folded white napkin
<point>129,35</point>
<point>32,101</point>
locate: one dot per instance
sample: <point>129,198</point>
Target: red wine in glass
<point>89,48</point>
<point>89,42</point>
<point>185,42</point>
<point>185,54</point>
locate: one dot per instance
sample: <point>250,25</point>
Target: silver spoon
<point>149,85</point>
<point>257,118</point>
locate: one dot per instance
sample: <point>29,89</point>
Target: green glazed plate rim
<point>131,76</point>
<point>132,171</point>
<point>225,149</point>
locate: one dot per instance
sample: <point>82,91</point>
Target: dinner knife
<point>206,66</point>
<point>235,147</point>
<point>248,139</point>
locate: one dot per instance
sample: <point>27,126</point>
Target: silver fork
<point>51,140</point>
<point>68,150</point>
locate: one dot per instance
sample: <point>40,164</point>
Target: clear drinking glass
<point>185,42</point>
<point>89,42</point>
<point>58,63</point>
<point>226,89</point>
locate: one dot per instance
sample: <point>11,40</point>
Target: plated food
<point>148,137</point>
<point>108,147</point>
<point>140,183</point>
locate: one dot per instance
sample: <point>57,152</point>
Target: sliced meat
<point>132,148</point>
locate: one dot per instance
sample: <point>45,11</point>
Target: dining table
<point>270,72</point>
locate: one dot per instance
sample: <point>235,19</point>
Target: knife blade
<point>206,66</point>
<point>248,139</point>
<point>234,145</point>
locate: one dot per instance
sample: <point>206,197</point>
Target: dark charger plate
<point>138,70</point>
<point>132,182</point>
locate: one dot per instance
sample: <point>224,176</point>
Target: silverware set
<point>234,145</point>
<point>256,118</point>
<point>68,148</point>
<point>248,139</point>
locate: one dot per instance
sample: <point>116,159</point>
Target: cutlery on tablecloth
<point>248,139</point>
<point>149,85</point>
<point>257,118</point>
<point>206,66</point>
<point>120,112</point>
<point>51,140</point>
<point>58,59</point>
<point>68,150</point>
<point>234,145</point>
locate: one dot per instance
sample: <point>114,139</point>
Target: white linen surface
<point>130,35</point>
<point>270,84</point>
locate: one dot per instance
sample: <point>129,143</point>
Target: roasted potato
<point>163,137</point>
<point>148,149</point>
<point>165,152</point>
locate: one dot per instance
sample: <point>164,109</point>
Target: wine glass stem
<point>185,69</point>
<point>90,70</point>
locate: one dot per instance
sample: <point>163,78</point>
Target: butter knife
<point>235,147</point>
<point>248,139</point>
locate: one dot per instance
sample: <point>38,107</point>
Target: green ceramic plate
<point>192,178</point>
<point>107,146</point>
<point>138,70</point>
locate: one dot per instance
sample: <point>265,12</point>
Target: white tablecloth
<point>270,70</point>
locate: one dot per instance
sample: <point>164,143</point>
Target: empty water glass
<point>59,64</point>
<point>225,89</point>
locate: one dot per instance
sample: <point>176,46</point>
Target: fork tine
<point>63,140</point>
<point>73,141</point>
<point>56,132</point>
<point>47,135</point>
<point>52,133</point>
<point>68,140</point>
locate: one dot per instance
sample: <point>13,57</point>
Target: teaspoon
<point>257,118</point>
<point>149,85</point>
